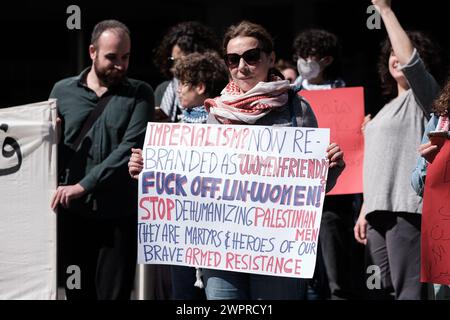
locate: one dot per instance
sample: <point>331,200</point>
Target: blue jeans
<point>229,285</point>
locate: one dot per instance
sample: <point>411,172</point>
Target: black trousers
<point>183,279</point>
<point>340,260</point>
<point>103,250</point>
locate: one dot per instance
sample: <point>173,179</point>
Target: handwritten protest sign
<point>27,181</point>
<point>342,110</point>
<point>237,198</point>
<point>435,266</point>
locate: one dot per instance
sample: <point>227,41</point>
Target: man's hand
<point>136,163</point>
<point>335,156</point>
<point>64,194</point>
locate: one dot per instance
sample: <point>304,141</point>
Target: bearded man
<point>103,114</point>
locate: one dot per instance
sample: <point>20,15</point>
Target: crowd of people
<point>103,116</point>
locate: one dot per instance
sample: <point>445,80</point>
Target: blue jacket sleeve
<point>420,171</point>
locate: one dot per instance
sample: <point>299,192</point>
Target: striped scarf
<point>170,103</point>
<point>194,115</point>
<point>235,107</point>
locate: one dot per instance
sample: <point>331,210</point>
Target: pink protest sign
<point>435,266</point>
<point>342,110</point>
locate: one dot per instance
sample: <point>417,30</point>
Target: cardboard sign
<point>237,198</point>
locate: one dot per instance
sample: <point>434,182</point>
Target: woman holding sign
<point>391,211</point>
<point>250,61</point>
<point>436,132</point>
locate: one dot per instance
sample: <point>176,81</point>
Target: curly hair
<point>428,50</point>
<point>319,43</point>
<point>190,36</point>
<point>441,105</point>
<point>207,68</point>
<point>249,29</point>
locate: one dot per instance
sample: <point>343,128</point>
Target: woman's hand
<point>428,151</point>
<point>360,229</point>
<point>381,5</point>
<point>336,156</point>
<point>365,122</point>
<point>136,163</point>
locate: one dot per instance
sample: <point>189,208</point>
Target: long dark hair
<point>428,50</point>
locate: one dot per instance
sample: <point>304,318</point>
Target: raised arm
<point>401,44</point>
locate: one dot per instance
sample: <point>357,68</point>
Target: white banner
<point>237,198</point>
<point>27,181</point>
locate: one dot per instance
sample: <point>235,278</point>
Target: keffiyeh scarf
<point>194,115</point>
<point>235,107</point>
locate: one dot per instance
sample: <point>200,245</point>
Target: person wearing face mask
<point>317,53</point>
<point>390,220</point>
<point>338,274</point>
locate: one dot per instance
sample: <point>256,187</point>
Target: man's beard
<point>109,77</point>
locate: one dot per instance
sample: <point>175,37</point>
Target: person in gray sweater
<point>390,219</point>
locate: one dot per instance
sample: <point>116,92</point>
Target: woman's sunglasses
<point>251,57</point>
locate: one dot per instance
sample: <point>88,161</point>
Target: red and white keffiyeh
<point>233,106</point>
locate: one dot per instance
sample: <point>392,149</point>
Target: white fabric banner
<point>28,178</point>
<point>236,198</point>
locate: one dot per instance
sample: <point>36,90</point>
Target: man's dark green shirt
<point>100,162</point>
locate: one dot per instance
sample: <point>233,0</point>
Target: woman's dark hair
<point>284,64</point>
<point>428,50</point>
<point>441,105</point>
<point>207,68</point>
<point>320,43</point>
<point>190,36</point>
<point>249,29</point>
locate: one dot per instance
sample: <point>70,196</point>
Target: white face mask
<point>308,69</point>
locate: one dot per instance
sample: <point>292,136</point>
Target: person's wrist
<point>385,11</point>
